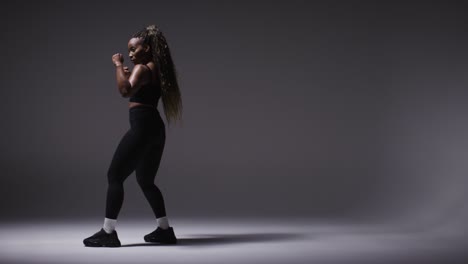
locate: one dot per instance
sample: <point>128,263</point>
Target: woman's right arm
<point>129,83</point>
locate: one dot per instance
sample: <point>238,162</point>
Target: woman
<point>141,148</point>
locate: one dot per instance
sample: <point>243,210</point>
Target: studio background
<point>320,109</point>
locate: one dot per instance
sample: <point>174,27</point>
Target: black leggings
<point>139,150</point>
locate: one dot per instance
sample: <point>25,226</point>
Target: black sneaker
<point>102,239</point>
<point>163,236</point>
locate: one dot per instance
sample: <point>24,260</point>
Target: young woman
<point>141,148</point>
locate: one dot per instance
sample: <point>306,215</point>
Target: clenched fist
<point>117,59</point>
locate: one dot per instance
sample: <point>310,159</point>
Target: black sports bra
<point>147,94</point>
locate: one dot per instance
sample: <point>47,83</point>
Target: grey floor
<point>234,241</point>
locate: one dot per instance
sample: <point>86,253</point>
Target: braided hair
<point>161,56</point>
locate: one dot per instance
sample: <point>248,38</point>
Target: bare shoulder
<point>151,66</point>
<point>140,75</point>
<point>142,71</point>
<point>141,67</point>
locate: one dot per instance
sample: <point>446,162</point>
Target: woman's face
<point>137,51</point>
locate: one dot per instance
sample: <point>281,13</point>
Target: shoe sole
<point>87,244</point>
<point>161,242</point>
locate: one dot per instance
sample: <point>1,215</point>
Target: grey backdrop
<point>331,109</point>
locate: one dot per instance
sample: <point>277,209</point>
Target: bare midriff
<point>132,104</point>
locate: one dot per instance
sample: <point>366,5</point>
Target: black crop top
<point>147,94</point>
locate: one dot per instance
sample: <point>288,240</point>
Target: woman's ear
<point>146,47</point>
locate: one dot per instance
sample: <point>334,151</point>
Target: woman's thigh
<point>128,153</point>
<point>148,165</point>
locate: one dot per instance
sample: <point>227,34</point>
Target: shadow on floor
<point>222,239</point>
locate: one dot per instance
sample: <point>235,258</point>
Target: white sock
<point>163,222</point>
<point>109,225</point>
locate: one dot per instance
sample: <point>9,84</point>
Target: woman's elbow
<point>125,91</point>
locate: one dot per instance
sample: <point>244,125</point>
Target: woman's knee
<point>145,183</point>
<point>114,177</point>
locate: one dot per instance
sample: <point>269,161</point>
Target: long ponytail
<point>170,92</point>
